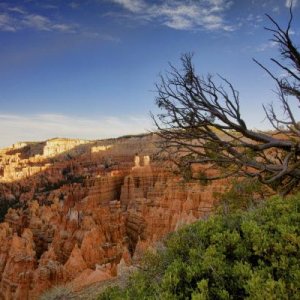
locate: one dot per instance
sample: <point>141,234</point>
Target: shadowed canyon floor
<point>85,210</point>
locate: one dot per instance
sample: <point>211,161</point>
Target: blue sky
<point>87,69</point>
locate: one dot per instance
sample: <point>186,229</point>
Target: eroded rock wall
<point>88,230</point>
<point>156,203</point>
<point>62,240</point>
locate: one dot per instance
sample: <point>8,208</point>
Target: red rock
<point>87,231</point>
<point>89,276</point>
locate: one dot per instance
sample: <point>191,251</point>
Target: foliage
<point>128,136</point>
<point>58,293</point>
<point>249,191</point>
<point>250,254</point>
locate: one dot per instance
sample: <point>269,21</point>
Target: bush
<point>243,255</point>
<point>58,293</point>
<point>242,194</point>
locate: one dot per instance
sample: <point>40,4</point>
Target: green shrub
<point>250,254</point>
<point>242,194</point>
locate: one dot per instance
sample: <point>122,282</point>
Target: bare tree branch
<point>201,124</point>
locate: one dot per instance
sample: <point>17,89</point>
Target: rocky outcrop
<point>57,146</point>
<point>62,241</point>
<point>18,267</point>
<point>156,203</point>
<point>85,218</point>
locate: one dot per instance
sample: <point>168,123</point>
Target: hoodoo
<point>78,220</point>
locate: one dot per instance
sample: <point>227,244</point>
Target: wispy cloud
<point>132,5</point>
<point>288,3</point>
<point>254,18</point>
<point>182,15</point>
<point>7,23</point>
<point>44,126</point>
<point>266,46</point>
<point>16,19</point>
<point>74,5</point>
<point>17,10</point>
<point>36,21</point>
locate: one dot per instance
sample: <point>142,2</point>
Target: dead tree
<point>200,122</point>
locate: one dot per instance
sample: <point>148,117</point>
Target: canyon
<point>85,211</point>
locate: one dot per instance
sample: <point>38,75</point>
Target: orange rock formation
<point>86,211</point>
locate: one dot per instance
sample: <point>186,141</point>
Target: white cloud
<point>132,5</point>
<point>266,46</point>
<point>7,23</point>
<point>42,23</point>
<point>39,127</point>
<point>288,3</point>
<point>63,27</point>
<point>16,18</point>
<point>184,15</point>
<point>74,5</point>
<point>17,10</point>
<point>37,22</point>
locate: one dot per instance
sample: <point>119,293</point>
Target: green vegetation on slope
<point>241,194</point>
<point>242,255</point>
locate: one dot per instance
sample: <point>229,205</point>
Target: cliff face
<point>87,212</point>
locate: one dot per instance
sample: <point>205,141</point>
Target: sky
<point>87,69</point>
